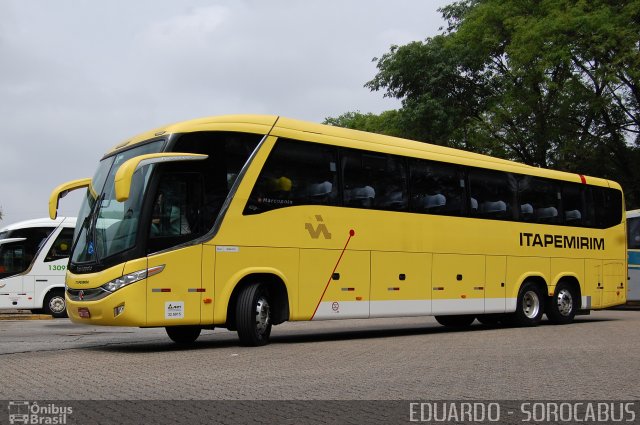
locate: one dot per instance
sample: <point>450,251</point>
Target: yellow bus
<point>249,221</point>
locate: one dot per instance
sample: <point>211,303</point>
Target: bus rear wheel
<point>253,315</point>
<point>183,334</point>
<point>562,306</point>
<point>458,321</point>
<point>55,304</point>
<point>530,305</point>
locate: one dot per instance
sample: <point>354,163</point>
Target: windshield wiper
<point>91,231</point>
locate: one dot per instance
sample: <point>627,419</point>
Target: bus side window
<point>538,200</point>
<point>607,207</point>
<point>573,204</point>
<point>633,233</point>
<point>493,192</point>
<point>436,188</point>
<point>61,248</point>
<point>12,259</point>
<point>296,173</point>
<point>359,189</point>
<point>374,180</point>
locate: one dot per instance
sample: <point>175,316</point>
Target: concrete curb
<point>24,316</point>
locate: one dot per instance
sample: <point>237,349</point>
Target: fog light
<point>118,310</point>
<point>84,312</point>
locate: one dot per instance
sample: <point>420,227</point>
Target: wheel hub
<point>57,305</point>
<point>565,302</point>
<point>531,304</point>
<point>263,316</point>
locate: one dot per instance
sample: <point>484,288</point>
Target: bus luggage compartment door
<point>458,284</point>
<point>326,293</point>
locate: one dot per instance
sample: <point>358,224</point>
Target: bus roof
<point>41,222</point>
<point>263,124</point>
<point>633,213</point>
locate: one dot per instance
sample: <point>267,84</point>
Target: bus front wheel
<point>55,304</point>
<point>183,334</point>
<point>562,306</point>
<point>253,315</point>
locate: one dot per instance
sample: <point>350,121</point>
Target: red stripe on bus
<point>351,234</point>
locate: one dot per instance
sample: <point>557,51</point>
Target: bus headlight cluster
<point>130,278</point>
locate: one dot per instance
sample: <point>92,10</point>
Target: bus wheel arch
<point>277,292</point>
<point>530,303</point>
<point>183,335</point>
<point>565,302</point>
<point>54,303</point>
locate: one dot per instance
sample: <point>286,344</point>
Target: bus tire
<point>458,321</point>
<point>55,304</point>
<point>183,335</point>
<point>563,305</point>
<point>530,306</point>
<point>253,315</point>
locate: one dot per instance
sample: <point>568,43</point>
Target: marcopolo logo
<point>25,412</point>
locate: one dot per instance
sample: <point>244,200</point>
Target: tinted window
<point>436,188</point>
<point>16,257</point>
<point>573,204</point>
<point>633,232</point>
<point>296,173</point>
<point>539,200</point>
<point>492,194</point>
<point>228,152</point>
<point>61,247</point>
<point>176,218</point>
<point>374,180</point>
<point>607,207</point>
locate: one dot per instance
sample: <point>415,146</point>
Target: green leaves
<point>552,83</point>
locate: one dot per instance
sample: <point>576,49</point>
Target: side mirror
<point>62,191</point>
<point>125,173</point>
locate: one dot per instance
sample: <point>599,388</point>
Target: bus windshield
<point>105,226</point>
<point>18,249</point>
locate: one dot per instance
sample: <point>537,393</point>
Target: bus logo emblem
<point>321,229</point>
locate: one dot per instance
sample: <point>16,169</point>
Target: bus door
<point>458,284</point>
<point>174,285</point>
<point>49,269</point>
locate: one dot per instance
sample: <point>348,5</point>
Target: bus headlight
<point>130,278</point>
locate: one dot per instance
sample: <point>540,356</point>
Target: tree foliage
<point>551,83</point>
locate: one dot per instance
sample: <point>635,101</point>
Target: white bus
<point>633,246</point>
<point>33,263</point>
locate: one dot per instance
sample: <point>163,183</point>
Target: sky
<point>79,77</point>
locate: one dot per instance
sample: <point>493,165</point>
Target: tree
<point>551,83</point>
